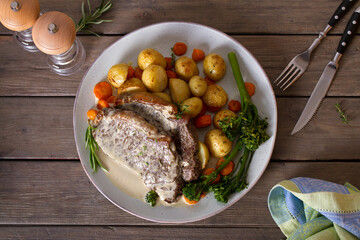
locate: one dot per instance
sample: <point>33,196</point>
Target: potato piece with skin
<point>214,66</point>
<point>154,78</point>
<point>149,57</point>
<point>192,106</point>
<point>221,115</point>
<point>197,86</point>
<point>185,68</point>
<point>163,95</point>
<point>179,90</point>
<point>215,96</point>
<point>217,143</point>
<point>132,85</point>
<point>204,155</point>
<point>117,74</point>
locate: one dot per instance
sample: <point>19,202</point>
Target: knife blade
<point>328,74</point>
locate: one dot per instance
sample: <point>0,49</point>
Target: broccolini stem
<point>245,98</point>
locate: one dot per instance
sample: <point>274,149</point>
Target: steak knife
<point>328,74</point>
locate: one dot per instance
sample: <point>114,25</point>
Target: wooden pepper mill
<point>54,33</point>
<point>20,16</point>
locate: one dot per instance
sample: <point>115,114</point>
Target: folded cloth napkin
<point>312,209</point>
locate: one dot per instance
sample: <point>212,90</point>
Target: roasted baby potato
<point>214,66</point>
<point>132,85</point>
<point>185,68</point>
<point>192,106</point>
<point>117,74</point>
<point>163,95</point>
<point>221,115</point>
<point>149,57</point>
<point>217,143</point>
<point>197,86</point>
<point>215,96</point>
<point>204,155</point>
<point>154,78</point>
<point>179,90</point>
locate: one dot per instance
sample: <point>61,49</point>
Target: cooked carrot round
<point>102,104</point>
<point>208,171</point>
<point>234,106</point>
<point>203,121</point>
<point>198,55</point>
<point>111,99</point>
<point>227,169</point>
<point>250,87</point>
<point>179,48</point>
<point>91,114</point>
<point>189,201</point>
<point>138,73</point>
<point>169,63</point>
<point>102,90</point>
<point>170,74</point>
<point>131,73</point>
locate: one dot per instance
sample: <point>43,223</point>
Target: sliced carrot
<point>250,87</point>
<point>131,73</point>
<point>91,114</point>
<point>203,111</point>
<point>198,55</point>
<point>138,73</point>
<point>227,169</point>
<point>234,106</point>
<point>203,121</point>
<point>213,109</point>
<point>209,81</point>
<point>102,104</point>
<point>189,201</point>
<point>103,90</point>
<point>179,48</point>
<point>169,63</point>
<point>171,74</point>
<point>208,171</point>
<point>111,99</point>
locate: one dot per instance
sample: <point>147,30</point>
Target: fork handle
<point>343,8</point>
<point>350,31</point>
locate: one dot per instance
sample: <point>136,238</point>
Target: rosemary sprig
<point>93,146</point>
<point>342,115</point>
<point>90,18</point>
<point>181,110</point>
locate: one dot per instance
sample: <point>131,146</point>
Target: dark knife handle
<point>350,31</point>
<point>343,8</point>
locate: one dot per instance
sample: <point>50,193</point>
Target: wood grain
<point>41,127</point>
<point>273,53</point>
<point>245,17</point>
<point>59,192</point>
<point>115,232</point>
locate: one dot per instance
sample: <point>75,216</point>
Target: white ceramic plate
<point>162,37</point>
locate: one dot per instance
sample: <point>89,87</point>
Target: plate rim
<point>227,204</point>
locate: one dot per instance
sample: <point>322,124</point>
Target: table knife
<point>328,74</point>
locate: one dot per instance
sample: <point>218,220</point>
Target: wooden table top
<point>44,192</point>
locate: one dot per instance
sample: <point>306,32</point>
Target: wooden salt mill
<point>20,16</point>
<point>54,33</point>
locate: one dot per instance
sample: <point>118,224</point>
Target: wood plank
<point>114,232</point>
<point>59,193</point>
<point>27,74</point>
<point>32,129</point>
<point>250,17</point>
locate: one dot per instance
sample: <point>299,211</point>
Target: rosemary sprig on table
<point>342,115</point>
<point>90,18</point>
<point>93,146</point>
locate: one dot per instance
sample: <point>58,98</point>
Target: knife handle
<point>350,31</point>
<point>343,8</point>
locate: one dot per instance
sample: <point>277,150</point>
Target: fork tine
<point>294,74</point>
<point>286,69</point>
<point>294,80</point>
<point>289,72</point>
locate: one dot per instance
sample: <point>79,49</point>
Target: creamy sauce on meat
<point>128,180</point>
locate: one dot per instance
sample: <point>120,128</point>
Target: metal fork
<point>297,66</point>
